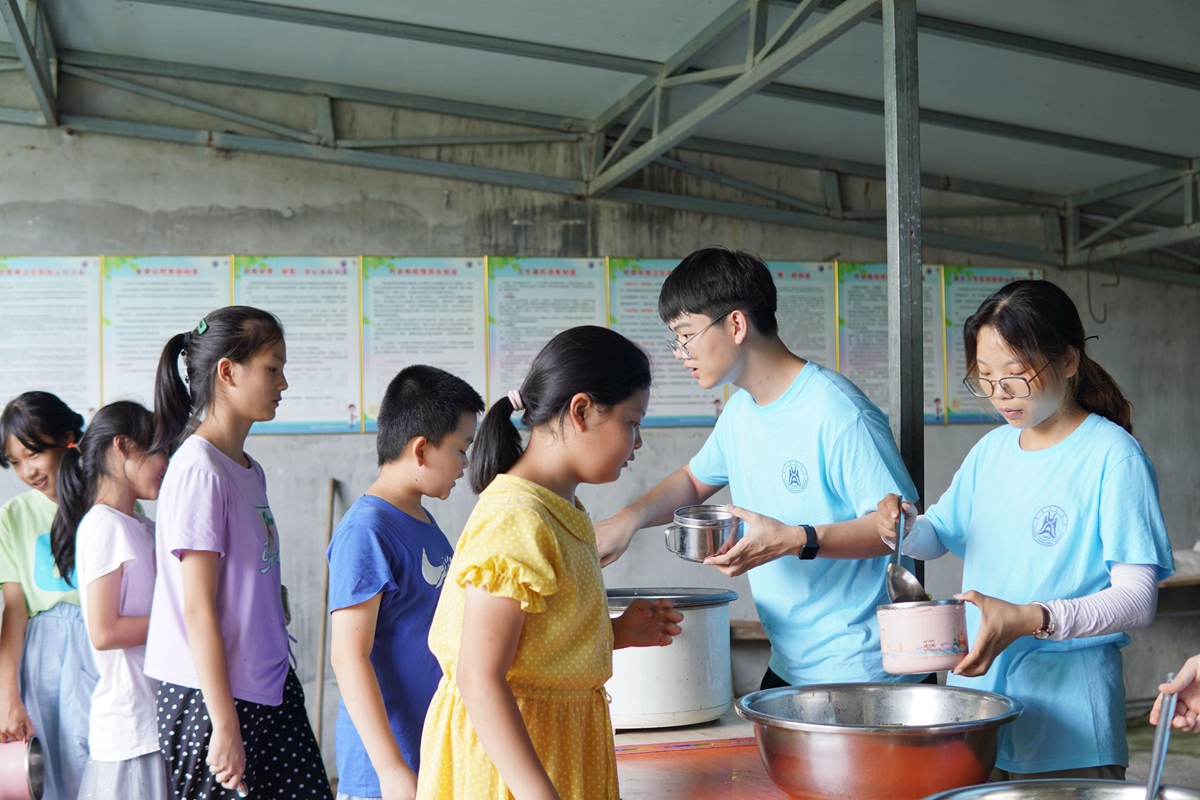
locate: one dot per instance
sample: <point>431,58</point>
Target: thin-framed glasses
<point>678,347</point>
<point>1013,387</point>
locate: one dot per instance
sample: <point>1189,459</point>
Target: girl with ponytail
<point>46,670</point>
<point>100,535</point>
<point>1056,516</point>
<point>523,714</point>
<point>217,638</point>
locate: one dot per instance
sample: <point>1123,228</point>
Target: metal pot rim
<point>770,720</point>
<point>725,518</point>
<point>682,597</point>
<point>982,792</point>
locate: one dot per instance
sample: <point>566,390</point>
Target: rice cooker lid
<point>682,597</point>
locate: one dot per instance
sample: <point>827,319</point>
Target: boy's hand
<point>887,512</point>
<point>1187,708</point>
<point>646,624</point>
<point>766,539</point>
<point>399,783</point>
<point>613,536</point>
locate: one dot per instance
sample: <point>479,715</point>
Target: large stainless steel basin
<point>1065,790</point>
<point>876,741</point>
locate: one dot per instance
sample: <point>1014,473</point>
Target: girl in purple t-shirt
<point>218,639</point>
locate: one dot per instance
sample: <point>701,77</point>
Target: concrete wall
<point>61,193</point>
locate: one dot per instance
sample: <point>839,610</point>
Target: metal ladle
<point>1162,735</point>
<point>902,585</point>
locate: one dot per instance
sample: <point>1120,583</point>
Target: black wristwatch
<point>811,546</point>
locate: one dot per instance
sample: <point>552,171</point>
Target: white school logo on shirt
<point>795,477</point>
<point>1049,525</point>
<point>434,575</point>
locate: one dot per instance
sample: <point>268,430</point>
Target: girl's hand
<point>1003,623</point>
<point>887,512</point>
<point>227,755</point>
<point>1187,708</point>
<point>398,784</point>
<point>766,539</point>
<point>15,724</point>
<point>647,624</point>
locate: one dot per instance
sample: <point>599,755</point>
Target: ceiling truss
<point>637,130</point>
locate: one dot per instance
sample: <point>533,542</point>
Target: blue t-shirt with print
<point>1048,525</point>
<point>820,453</point>
<point>380,549</point>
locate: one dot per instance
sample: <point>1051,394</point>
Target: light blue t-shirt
<point>1048,525</point>
<point>821,453</point>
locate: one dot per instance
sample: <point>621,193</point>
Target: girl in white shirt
<point>98,532</point>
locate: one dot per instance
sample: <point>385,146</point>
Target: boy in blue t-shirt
<point>387,562</point>
<point>804,454</point>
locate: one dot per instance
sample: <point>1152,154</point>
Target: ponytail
<point>1095,390</point>
<point>590,360</point>
<point>84,464</point>
<point>1041,324</point>
<point>180,400</point>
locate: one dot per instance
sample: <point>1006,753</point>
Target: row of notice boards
<point>91,328</point>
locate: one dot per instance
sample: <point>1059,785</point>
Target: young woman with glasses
<point>1057,519</point>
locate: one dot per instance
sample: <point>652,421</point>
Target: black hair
<point>1041,324</point>
<point>233,332</point>
<point>82,467</point>
<point>714,281</point>
<point>591,360</point>
<point>40,421</point>
<point>422,401</point>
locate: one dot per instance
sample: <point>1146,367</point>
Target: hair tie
<point>1097,338</point>
<point>514,397</point>
<point>187,341</point>
<point>72,446</point>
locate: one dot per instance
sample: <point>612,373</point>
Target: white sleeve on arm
<point>922,542</point>
<point>1128,603</point>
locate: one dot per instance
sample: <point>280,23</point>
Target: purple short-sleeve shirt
<point>209,502</point>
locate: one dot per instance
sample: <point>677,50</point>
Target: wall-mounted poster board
<point>421,311</point>
<point>530,300</point>
<point>676,399</point>
<point>807,309</point>
<point>317,300</point>
<point>863,335</point>
<point>966,289</point>
<point>147,300</point>
<point>50,329</point>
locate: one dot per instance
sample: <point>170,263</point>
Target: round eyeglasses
<point>680,348</point>
<point>1013,387</point>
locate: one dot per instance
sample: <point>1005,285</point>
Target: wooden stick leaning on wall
<point>319,700</point>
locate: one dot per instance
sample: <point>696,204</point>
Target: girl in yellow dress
<point>522,630</point>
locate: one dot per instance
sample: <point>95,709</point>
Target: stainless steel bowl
<point>1064,790</point>
<point>701,531</point>
<point>876,741</point>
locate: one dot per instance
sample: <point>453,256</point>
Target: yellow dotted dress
<point>525,542</point>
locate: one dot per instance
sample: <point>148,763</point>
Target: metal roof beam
<point>784,58</point>
<point>192,105</point>
<point>1107,191</point>
<point>734,183</point>
<point>420,33</point>
<point>1134,244</point>
<point>39,81</point>
<point>279,83</point>
<point>1045,48</point>
<point>1006,130</point>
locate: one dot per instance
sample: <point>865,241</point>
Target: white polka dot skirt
<point>282,758</point>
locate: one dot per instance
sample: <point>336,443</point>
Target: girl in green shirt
<point>46,670</point>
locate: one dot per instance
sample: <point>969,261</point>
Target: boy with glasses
<point>805,454</point>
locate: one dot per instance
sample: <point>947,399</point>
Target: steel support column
<point>902,137</point>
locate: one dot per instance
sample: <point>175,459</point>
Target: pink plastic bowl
<point>22,770</point>
<point>925,636</point>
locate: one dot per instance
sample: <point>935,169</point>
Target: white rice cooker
<point>686,682</point>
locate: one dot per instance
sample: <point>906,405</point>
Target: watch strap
<point>811,546</point>
<point>1047,623</point>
